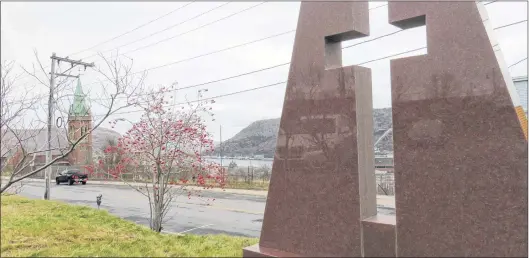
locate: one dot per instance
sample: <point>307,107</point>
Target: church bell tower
<point>79,123</point>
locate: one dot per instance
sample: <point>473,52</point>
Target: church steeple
<point>79,124</point>
<point>79,107</point>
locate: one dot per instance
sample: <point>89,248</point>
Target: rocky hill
<point>259,138</point>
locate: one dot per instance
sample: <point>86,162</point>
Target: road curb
<point>382,200</point>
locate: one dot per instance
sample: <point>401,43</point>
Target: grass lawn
<point>49,228</point>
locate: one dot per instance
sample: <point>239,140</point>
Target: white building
<point>521,86</point>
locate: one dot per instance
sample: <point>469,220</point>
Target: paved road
<point>233,214</point>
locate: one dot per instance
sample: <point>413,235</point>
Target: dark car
<point>71,176</point>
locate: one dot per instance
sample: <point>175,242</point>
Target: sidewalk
<point>382,200</point>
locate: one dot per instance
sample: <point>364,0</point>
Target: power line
<point>401,53</point>
<point>232,93</point>
<point>197,28</point>
<point>373,39</point>
<point>518,62</point>
<point>248,43</point>
<point>401,30</point>
<point>192,30</point>
<point>205,25</point>
<point>214,97</point>
<point>271,67</point>
<point>209,53</point>
<point>283,33</point>
<point>236,46</point>
<point>263,69</point>
<point>218,51</point>
<point>244,44</point>
<point>510,24</point>
<point>189,86</point>
<point>139,27</point>
<point>232,77</point>
<point>279,83</point>
<point>165,29</point>
<point>267,86</point>
<point>273,84</point>
<point>250,8</point>
<point>363,42</point>
<point>490,2</point>
<point>123,34</point>
<point>178,35</point>
<point>376,7</point>
<point>133,30</point>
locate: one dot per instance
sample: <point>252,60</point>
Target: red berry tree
<point>164,150</point>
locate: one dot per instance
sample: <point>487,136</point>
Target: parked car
<point>71,176</point>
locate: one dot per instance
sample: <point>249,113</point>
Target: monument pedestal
<point>259,251</point>
<point>379,236</point>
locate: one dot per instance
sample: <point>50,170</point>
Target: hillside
<point>259,138</point>
<point>101,136</point>
<point>35,139</point>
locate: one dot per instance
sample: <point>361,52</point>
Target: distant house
<point>521,86</point>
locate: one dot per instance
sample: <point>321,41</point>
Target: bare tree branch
<point>123,85</point>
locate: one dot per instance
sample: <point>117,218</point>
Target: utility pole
<point>48,136</point>
<point>54,59</point>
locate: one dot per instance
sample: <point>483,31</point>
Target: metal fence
<point>55,169</point>
<point>247,177</point>
<point>385,183</point>
<point>243,177</point>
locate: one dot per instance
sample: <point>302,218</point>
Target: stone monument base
<point>259,251</point>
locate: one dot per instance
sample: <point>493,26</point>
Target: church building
<point>79,122</point>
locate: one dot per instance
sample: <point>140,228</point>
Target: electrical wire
<point>165,29</point>
<point>137,28</point>
<point>280,34</point>
<point>491,2</point>
<point>376,7</point>
<point>126,33</point>
<point>189,31</point>
<point>280,83</point>
<point>373,39</point>
<point>273,84</point>
<point>518,62</point>
<point>267,86</point>
<point>244,44</point>
<point>228,17</point>
<point>218,51</point>
<point>207,54</point>
<point>360,43</point>
<point>510,24</point>
<point>195,29</point>
<point>263,69</point>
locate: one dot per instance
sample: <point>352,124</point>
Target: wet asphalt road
<point>233,214</point>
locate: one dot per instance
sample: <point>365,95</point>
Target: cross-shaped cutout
<point>360,52</point>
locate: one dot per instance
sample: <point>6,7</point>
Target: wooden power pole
<point>51,101</point>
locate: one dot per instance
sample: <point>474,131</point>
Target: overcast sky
<point>66,28</point>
